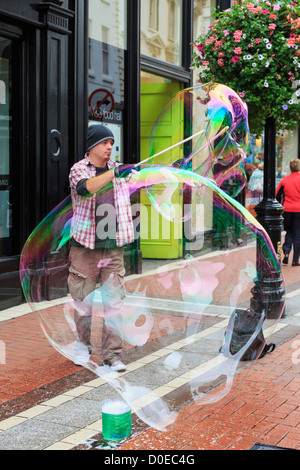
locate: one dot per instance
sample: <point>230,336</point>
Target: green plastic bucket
<point>116,420</point>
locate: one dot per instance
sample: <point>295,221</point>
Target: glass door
<point>160,238</point>
<point>5,146</point>
<point>12,195</point>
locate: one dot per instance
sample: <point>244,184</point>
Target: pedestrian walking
<point>99,190</point>
<point>288,194</point>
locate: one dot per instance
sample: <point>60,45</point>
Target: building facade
<point>65,64</point>
<point>42,119</point>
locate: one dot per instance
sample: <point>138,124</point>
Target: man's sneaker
<point>82,354</point>
<point>285,258</point>
<point>116,366</point>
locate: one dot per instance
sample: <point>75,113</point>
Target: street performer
<point>98,183</point>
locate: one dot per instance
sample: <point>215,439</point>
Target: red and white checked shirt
<point>83,227</point>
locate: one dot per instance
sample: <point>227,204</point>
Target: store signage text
<point>102,106</point>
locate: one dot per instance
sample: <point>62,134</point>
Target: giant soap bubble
<point>196,314</point>
<point>214,119</point>
<point>212,122</point>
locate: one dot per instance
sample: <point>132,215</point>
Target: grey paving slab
<point>101,393</point>
<point>77,413</point>
<point>34,435</point>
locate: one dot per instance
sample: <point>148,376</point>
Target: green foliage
<point>254,48</point>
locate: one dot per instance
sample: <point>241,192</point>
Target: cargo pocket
<point>76,282</point>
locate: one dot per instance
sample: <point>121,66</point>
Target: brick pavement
<point>262,406</point>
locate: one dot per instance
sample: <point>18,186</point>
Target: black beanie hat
<point>96,134</point>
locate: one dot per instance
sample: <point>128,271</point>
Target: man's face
<point>103,150</point>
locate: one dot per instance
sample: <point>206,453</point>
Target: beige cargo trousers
<point>103,267</point>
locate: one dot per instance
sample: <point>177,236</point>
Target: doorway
<point>10,191</point>
<point>160,238</point>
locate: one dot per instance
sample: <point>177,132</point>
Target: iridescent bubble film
<point>212,121</point>
<point>199,308</point>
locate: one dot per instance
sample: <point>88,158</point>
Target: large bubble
<point>211,121</point>
<point>188,322</point>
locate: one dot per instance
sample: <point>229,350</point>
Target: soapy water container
<point>116,419</point>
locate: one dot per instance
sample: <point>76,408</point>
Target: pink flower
<point>221,62</point>
<point>250,45</point>
<point>221,54</point>
<point>200,47</point>
<point>238,50</point>
<point>205,63</point>
<point>291,42</point>
<point>254,10</point>
<point>272,26</point>
<point>276,7</point>
<point>265,12</point>
<point>273,17</point>
<point>237,35</point>
<point>235,58</point>
<point>258,41</point>
<point>225,32</point>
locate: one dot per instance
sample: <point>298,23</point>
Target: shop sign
<point>102,106</point>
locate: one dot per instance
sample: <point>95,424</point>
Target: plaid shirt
<point>83,227</point>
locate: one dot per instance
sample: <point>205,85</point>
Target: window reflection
<point>5,146</point>
<point>107,46</point>
<point>161,30</point>
<point>286,150</point>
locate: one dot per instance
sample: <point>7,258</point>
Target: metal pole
<point>268,292</point>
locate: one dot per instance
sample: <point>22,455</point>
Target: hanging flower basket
<point>254,48</point>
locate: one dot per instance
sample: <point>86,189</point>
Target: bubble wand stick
<point>206,145</point>
<point>170,148</point>
<point>183,142</point>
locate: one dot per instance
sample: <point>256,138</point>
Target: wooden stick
<point>182,142</point>
<point>170,148</point>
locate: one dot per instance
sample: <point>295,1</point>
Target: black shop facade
<point>65,64</point>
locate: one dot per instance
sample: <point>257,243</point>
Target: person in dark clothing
<point>288,194</point>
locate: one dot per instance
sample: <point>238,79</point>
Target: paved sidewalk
<point>49,403</point>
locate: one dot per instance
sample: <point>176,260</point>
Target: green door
<point>160,238</point>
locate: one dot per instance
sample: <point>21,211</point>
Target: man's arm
<point>122,171</point>
<point>93,185</point>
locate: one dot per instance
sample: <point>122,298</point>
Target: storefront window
<point>286,150</point>
<point>161,30</point>
<point>5,145</point>
<point>107,46</point>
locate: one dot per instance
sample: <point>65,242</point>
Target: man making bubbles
<point>99,191</point>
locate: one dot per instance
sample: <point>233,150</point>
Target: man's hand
<point>123,171</point>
